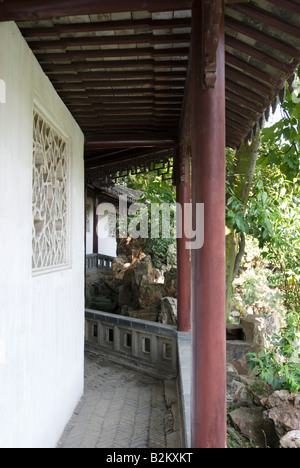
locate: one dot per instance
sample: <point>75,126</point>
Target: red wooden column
<point>183,196</point>
<point>208,263</point>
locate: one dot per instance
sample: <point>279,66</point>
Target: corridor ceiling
<point>121,66</point>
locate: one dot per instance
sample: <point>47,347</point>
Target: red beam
<point>121,84</point>
<point>87,103</point>
<point>261,75</point>
<point>263,57</point>
<point>239,98</point>
<point>135,74</point>
<point>263,38</point>
<point>266,18</point>
<point>121,92</point>
<point>125,142</point>
<point>20,10</point>
<point>111,53</point>
<point>246,113</point>
<point>84,110</point>
<point>254,84</point>
<point>112,64</point>
<point>251,95</point>
<point>287,5</point>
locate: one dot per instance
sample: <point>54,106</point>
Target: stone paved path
<point>121,408</point>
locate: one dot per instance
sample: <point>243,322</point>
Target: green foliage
<point>279,365</point>
<point>157,190</point>
<point>235,216</point>
<point>154,188</point>
<point>273,210</point>
<point>281,142</point>
<point>273,218</point>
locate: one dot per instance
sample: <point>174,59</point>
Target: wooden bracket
<point>212,15</point>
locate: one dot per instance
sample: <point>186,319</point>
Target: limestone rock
<point>251,423</point>
<point>168,314</point>
<point>234,332</point>
<point>237,394</point>
<point>237,351</point>
<point>171,282</point>
<point>257,328</point>
<point>284,411</point>
<point>125,296</point>
<point>143,271</point>
<point>291,440</point>
<point>150,295</point>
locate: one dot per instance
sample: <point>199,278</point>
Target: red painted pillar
<point>208,263</point>
<point>183,196</point>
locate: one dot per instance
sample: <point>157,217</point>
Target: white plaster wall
<point>107,245</point>
<point>90,234</point>
<point>42,317</point>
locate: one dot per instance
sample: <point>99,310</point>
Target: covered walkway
<point>123,408</point>
<point>143,83</point>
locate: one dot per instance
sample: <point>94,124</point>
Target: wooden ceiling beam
<point>136,124</point>
<point>267,18</point>
<point>121,25</point>
<point>110,40</point>
<point>134,130</point>
<point>120,106</point>
<point>120,84</point>
<point>254,84</point>
<point>260,55</point>
<point>135,74</point>
<point>263,38</point>
<point>247,93</point>
<point>122,141</point>
<point>119,155</point>
<point>245,67</point>
<point>239,98</point>
<point>71,55</point>
<point>30,10</point>
<point>87,103</point>
<point>129,112</point>
<point>121,92</point>
<point>239,124</point>
<point>114,64</point>
<point>104,119</point>
<point>287,5</point>
<point>248,113</point>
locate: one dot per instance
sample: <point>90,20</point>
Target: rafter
<point>111,64</point>
<point>121,25</point>
<point>110,40</point>
<point>112,53</point>
<point>12,10</point>
<point>121,141</point>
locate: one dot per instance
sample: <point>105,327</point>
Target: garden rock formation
<point>135,289</point>
<point>267,418</point>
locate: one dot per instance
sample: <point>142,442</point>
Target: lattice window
<point>49,197</point>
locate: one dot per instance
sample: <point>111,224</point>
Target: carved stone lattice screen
<point>49,197</point>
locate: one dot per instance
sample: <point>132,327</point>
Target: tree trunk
<point>240,182</point>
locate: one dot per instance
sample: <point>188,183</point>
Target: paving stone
<point>120,408</point>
